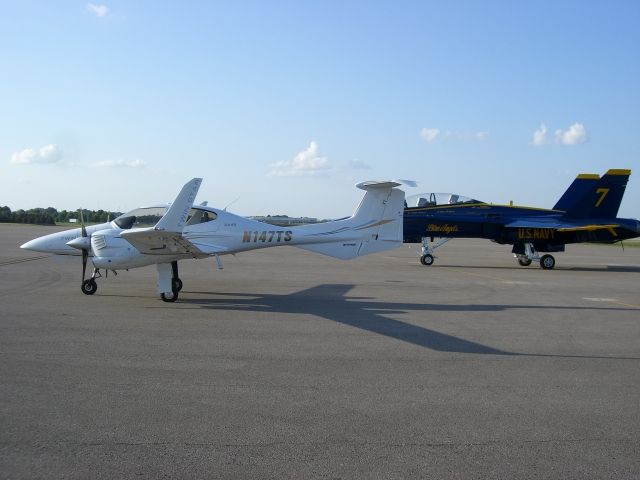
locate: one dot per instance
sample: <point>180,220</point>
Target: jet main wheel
<point>176,285</point>
<point>547,262</point>
<point>89,287</point>
<point>525,262</point>
<point>169,297</point>
<point>426,259</point>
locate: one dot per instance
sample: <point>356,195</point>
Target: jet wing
<point>155,242</point>
<point>564,227</point>
<point>537,224</point>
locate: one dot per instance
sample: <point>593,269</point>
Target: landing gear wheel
<point>169,297</point>
<point>547,262</point>
<point>89,287</point>
<point>525,262</point>
<point>426,259</point>
<point>176,285</point>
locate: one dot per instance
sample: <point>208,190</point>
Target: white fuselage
<point>232,233</point>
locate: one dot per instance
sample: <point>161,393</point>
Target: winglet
<point>176,216</point>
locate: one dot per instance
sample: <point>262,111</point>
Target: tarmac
<point>288,364</point>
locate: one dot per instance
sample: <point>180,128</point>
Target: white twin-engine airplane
<point>162,235</point>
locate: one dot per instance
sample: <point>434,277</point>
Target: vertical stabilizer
<point>602,200</point>
<point>376,225</point>
<point>576,191</point>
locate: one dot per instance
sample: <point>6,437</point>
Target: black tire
<point>547,262</point>
<point>525,262</point>
<point>176,285</point>
<point>89,287</point>
<point>169,297</point>
<point>426,259</point>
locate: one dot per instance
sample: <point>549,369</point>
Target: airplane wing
<point>564,227</point>
<point>154,242</point>
<point>537,224</point>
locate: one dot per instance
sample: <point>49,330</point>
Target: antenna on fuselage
<point>228,205</point>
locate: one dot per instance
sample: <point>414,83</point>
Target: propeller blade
<point>84,230</point>
<point>85,255</point>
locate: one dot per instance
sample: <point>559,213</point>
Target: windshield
<point>149,216</point>
<point>434,199</point>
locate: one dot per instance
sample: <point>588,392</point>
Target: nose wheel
<point>90,286</point>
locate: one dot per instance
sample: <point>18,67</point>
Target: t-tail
<point>592,197</point>
<point>375,226</point>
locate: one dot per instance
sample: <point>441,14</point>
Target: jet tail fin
<point>580,186</point>
<point>602,198</point>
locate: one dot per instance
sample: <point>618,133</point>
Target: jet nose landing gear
<point>428,249</point>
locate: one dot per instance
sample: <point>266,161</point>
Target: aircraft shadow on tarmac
<point>330,302</point>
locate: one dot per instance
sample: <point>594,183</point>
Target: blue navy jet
<point>586,212</point>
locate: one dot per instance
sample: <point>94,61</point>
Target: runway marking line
<point>613,301</point>
<point>21,260</point>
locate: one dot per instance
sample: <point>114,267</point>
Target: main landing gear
<point>427,256</point>
<point>176,283</point>
<point>547,262</point>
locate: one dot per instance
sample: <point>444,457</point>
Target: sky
<point>282,107</point>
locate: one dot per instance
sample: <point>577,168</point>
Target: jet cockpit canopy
<point>437,199</point>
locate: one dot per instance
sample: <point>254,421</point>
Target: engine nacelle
<point>111,251</point>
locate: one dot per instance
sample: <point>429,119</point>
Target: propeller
<point>82,243</point>
<point>85,252</point>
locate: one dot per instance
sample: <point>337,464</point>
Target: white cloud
<point>47,154</point>
<point>121,164</point>
<point>359,165</point>
<point>307,162</point>
<point>573,136</point>
<point>429,134</point>
<point>540,136</point>
<point>98,10</point>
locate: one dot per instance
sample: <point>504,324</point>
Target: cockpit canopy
<point>436,199</point>
<point>148,216</point>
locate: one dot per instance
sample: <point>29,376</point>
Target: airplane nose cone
<point>37,245</point>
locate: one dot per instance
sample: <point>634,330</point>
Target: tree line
<point>51,216</point>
